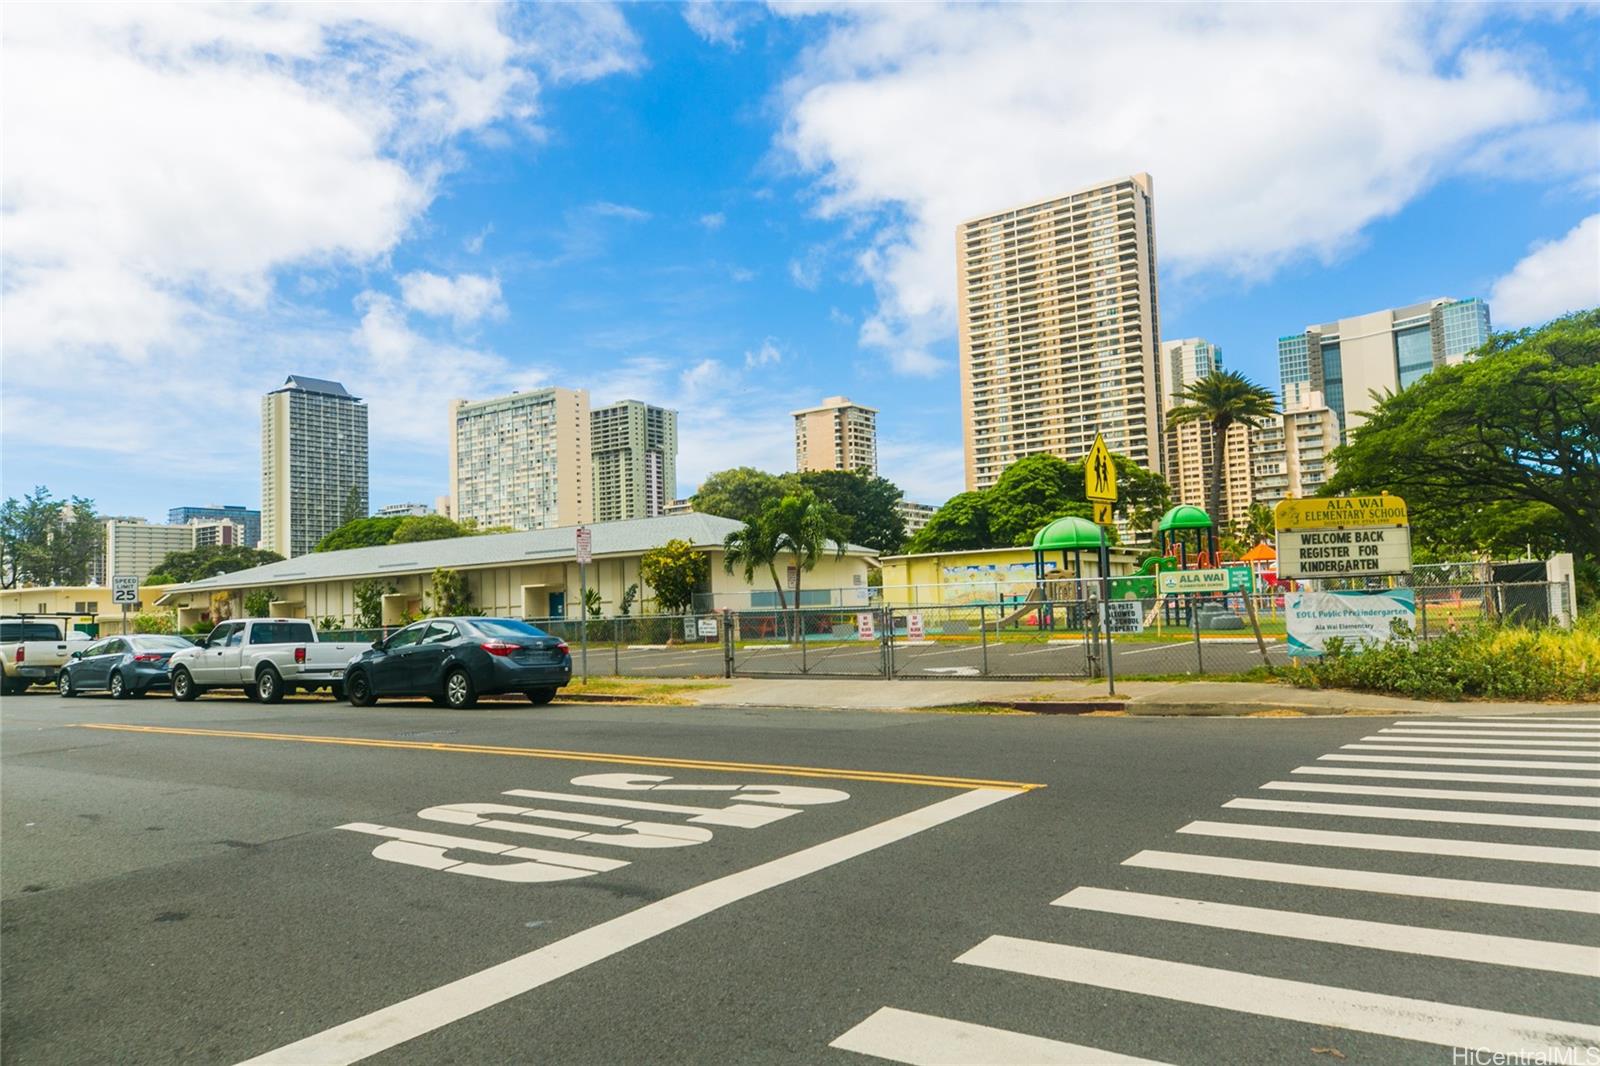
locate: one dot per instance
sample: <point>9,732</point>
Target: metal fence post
<point>887,651</point>
<point>804,665</point>
<point>729,620</point>
<point>1199,656</point>
<point>616,647</point>
<point>983,636</point>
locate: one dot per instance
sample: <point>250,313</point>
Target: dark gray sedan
<point>123,666</point>
<point>455,660</point>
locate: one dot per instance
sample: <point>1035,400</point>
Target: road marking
<point>430,851</point>
<point>411,1018</point>
<point>1549,742</point>
<point>1275,997</point>
<point>632,834</point>
<point>1486,719</point>
<point>926,1040</point>
<point>1524,764</point>
<point>1542,798</point>
<point>1500,895</point>
<point>739,815</point>
<point>882,776</point>
<point>1381,936</point>
<point>1439,775</point>
<point>1471,849</point>
<point>1435,731</point>
<point>1497,723</point>
<point>1419,814</point>
<point>1450,749</point>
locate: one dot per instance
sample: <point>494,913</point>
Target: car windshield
<point>161,643</point>
<point>506,628</point>
<point>12,632</point>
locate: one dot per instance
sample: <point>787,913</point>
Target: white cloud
<point>464,298</point>
<point>766,355</point>
<point>1555,277</point>
<point>806,271</point>
<point>626,212</point>
<point>1272,132</point>
<point>719,22</point>
<point>714,220</point>
<point>926,471</point>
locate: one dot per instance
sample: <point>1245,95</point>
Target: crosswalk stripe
<point>1486,719</point>
<point>1419,814</point>
<point>1524,734</point>
<point>1506,722</point>
<point>1448,748</point>
<point>1441,775</point>
<point>1382,936</point>
<point>1274,997</point>
<point>1288,873</point>
<point>1470,795</point>
<point>1328,838</point>
<point>1553,742</point>
<point>1524,764</point>
<point>927,1040</point>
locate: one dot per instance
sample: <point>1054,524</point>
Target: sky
<point>728,209</point>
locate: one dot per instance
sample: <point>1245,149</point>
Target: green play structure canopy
<point>1184,516</point>
<point>1070,534</point>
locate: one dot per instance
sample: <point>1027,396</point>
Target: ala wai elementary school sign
<point>1343,536</point>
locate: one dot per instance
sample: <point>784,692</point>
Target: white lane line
<point>1562,742</point>
<point>1526,735</point>
<point>927,1040</point>
<point>1419,814</point>
<point>1486,719</point>
<point>1439,775</point>
<point>1300,1001</point>
<point>1381,936</point>
<point>1524,764</point>
<point>1447,748</point>
<point>1538,798</point>
<point>1328,838</point>
<point>1497,723</point>
<point>408,1019</point>
<point>1288,873</point>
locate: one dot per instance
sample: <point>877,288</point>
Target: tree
<point>1507,441</point>
<point>675,572</point>
<point>361,533</point>
<point>741,493</point>
<point>368,596</point>
<point>450,593</point>
<point>45,541</point>
<point>751,548</point>
<point>865,501</point>
<point>353,507</point>
<point>156,622</point>
<point>1031,493</point>
<point>1223,398</point>
<point>806,528</point>
<point>962,524</point>
<point>182,567</point>
<point>414,528</point>
<point>591,602</point>
<point>258,602</point>
<point>1258,524</point>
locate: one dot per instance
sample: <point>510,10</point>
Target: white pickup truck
<point>33,651</point>
<point>267,658</point>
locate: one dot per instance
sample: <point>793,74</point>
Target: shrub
<point>258,602</point>
<point>156,622</point>
<point>1485,661</point>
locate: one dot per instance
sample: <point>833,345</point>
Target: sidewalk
<point>1133,697</point>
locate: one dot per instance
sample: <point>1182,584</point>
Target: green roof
<point>1070,533</point>
<point>1184,516</point>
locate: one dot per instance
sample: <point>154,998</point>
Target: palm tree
<point>805,527</point>
<point>1223,398</point>
<point>1258,524</point>
<point>751,548</point>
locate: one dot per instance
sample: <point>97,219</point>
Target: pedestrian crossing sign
<point>1102,514</point>
<point>1099,473</point>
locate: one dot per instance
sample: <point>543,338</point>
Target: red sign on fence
<point>864,626</point>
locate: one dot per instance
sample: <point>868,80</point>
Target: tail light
<point>149,657</point>
<point>299,655</point>
<point>563,649</point>
<point>500,647</point>
<point>20,653</point>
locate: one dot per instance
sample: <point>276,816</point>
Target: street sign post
<point>1099,472</point>
<point>125,591</point>
<point>584,543</point>
<point>1100,488</point>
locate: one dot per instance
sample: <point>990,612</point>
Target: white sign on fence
<point>690,630</point>
<point>864,626</point>
<point>914,626</point>
<point>1124,616</point>
<point>1361,552</point>
<point>1353,616</point>
<point>124,589</point>
<point>708,627</point>
<point>585,539</point>
<point>1172,581</point>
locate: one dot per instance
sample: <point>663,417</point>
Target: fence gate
<point>811,641</point>
<point>1027,639</point>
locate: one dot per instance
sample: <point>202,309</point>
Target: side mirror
<point>203,642</point>
<point>76,655</point>
<point>377,645</point>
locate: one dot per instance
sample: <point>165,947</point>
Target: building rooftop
<point>493,549</point>
<point>301,383</point>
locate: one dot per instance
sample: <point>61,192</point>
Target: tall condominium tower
<point>522,460</point>
<point>1189,446</point>
<point>1058,329</point>
<point>1344,361</point>
<point>245,517</point>
<point>634,452</point>
<point>313,457</point>
<point>836,435</point>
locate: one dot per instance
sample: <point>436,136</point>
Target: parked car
<point>123,666</point>
<point>456,660</point>
<point>33,651</point>
<point>266,658</point>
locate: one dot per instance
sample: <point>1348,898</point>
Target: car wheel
<point>358,687</point>
<point>269,686</point>
<point>183,687</point>
<point>541,696</point>
<point>118,689</point>
<point>63,685</point>
<point>459,693</point>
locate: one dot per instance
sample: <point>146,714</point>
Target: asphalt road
<point>220,881</point>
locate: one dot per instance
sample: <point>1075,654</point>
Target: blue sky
<point>726,209</point>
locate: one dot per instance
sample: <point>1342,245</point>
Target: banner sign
<point>914,626</point>
<point>707,627</point>
<point>1241,578</point>
<point>1341,512</point>
<point>1172,581</point>
<point>1352,616</point>
<point>1365,552</point>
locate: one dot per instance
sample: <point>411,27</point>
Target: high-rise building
<point>836,435</point>
<point>1059,330</point>
<point>1385,351</point>
<point>1189,446</point>
<point>136,547</point>
<point>313,460</point>
<point>217,533</point>
<point>401,510</point>
<point>634,451</point>
<point>522,460</point>
<point>248,519</point>
<point>915,515</point>
<point>1290,455</point>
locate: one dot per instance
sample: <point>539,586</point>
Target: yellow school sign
<point>1100,480</point>
<point>1341,512</point>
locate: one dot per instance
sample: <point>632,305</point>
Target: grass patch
<point>1268,675</point>
<point>673,692</point>
<point>974,708</point>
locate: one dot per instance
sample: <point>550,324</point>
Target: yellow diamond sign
<point>1099,473</point>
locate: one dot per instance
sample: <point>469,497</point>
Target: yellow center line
<point>884,776</point>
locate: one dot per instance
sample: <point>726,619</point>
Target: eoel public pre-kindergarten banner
<point>1355,616</point>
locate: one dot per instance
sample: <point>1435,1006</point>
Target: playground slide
<point>1035,598</point>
